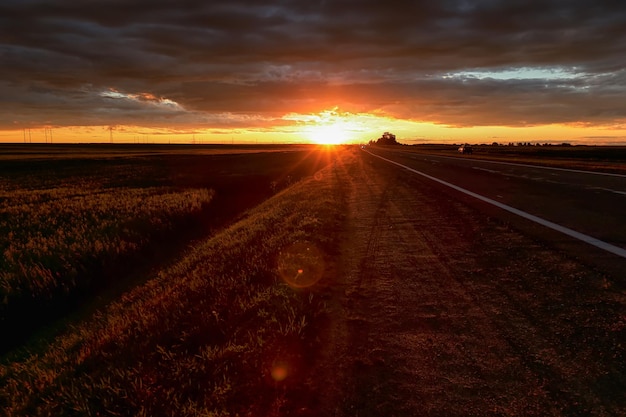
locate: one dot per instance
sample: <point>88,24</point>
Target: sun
<point>328,134</point>
<point>328,127</point>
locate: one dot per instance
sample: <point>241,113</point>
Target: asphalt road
<point>589,203</point>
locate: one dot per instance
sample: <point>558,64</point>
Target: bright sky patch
<point>520,74</point>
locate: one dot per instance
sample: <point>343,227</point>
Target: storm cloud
<point>190,62</point>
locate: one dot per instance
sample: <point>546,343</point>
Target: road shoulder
<point>440,310</point>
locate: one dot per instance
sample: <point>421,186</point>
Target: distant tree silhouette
<point>387,139</point>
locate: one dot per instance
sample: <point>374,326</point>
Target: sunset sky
<point>304,71</point>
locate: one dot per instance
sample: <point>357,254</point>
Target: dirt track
<point>441,311</point>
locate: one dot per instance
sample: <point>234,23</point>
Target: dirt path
<point>439,310</point>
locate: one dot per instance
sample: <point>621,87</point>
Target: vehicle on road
<point>465,149</point>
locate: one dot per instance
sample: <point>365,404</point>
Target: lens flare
<point>279,372</point>
<point>301,265</point>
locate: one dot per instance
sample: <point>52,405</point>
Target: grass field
<point>226,311</point>
<point>214,333</point>
<point>77,220</point>
<point>57,241</point>
<point>39,151</point>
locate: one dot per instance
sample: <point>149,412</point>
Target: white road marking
<point>608,189</point>
<point>492,171</point>
<point>523,176</point>
<point>566,231</point>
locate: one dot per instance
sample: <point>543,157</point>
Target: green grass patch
<point>219,333</point>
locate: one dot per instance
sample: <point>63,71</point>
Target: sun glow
<point>329,127</point>
<point>332,126</point>
<point>332,134</point>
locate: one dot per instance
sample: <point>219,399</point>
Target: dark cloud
<point>409,59</point>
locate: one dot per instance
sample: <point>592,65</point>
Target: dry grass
<point>78,224</point>
<point>55,241</point>
<point>60,151</point>
<point>217,333</point>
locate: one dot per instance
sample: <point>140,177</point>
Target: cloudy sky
<point>427,70</point>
